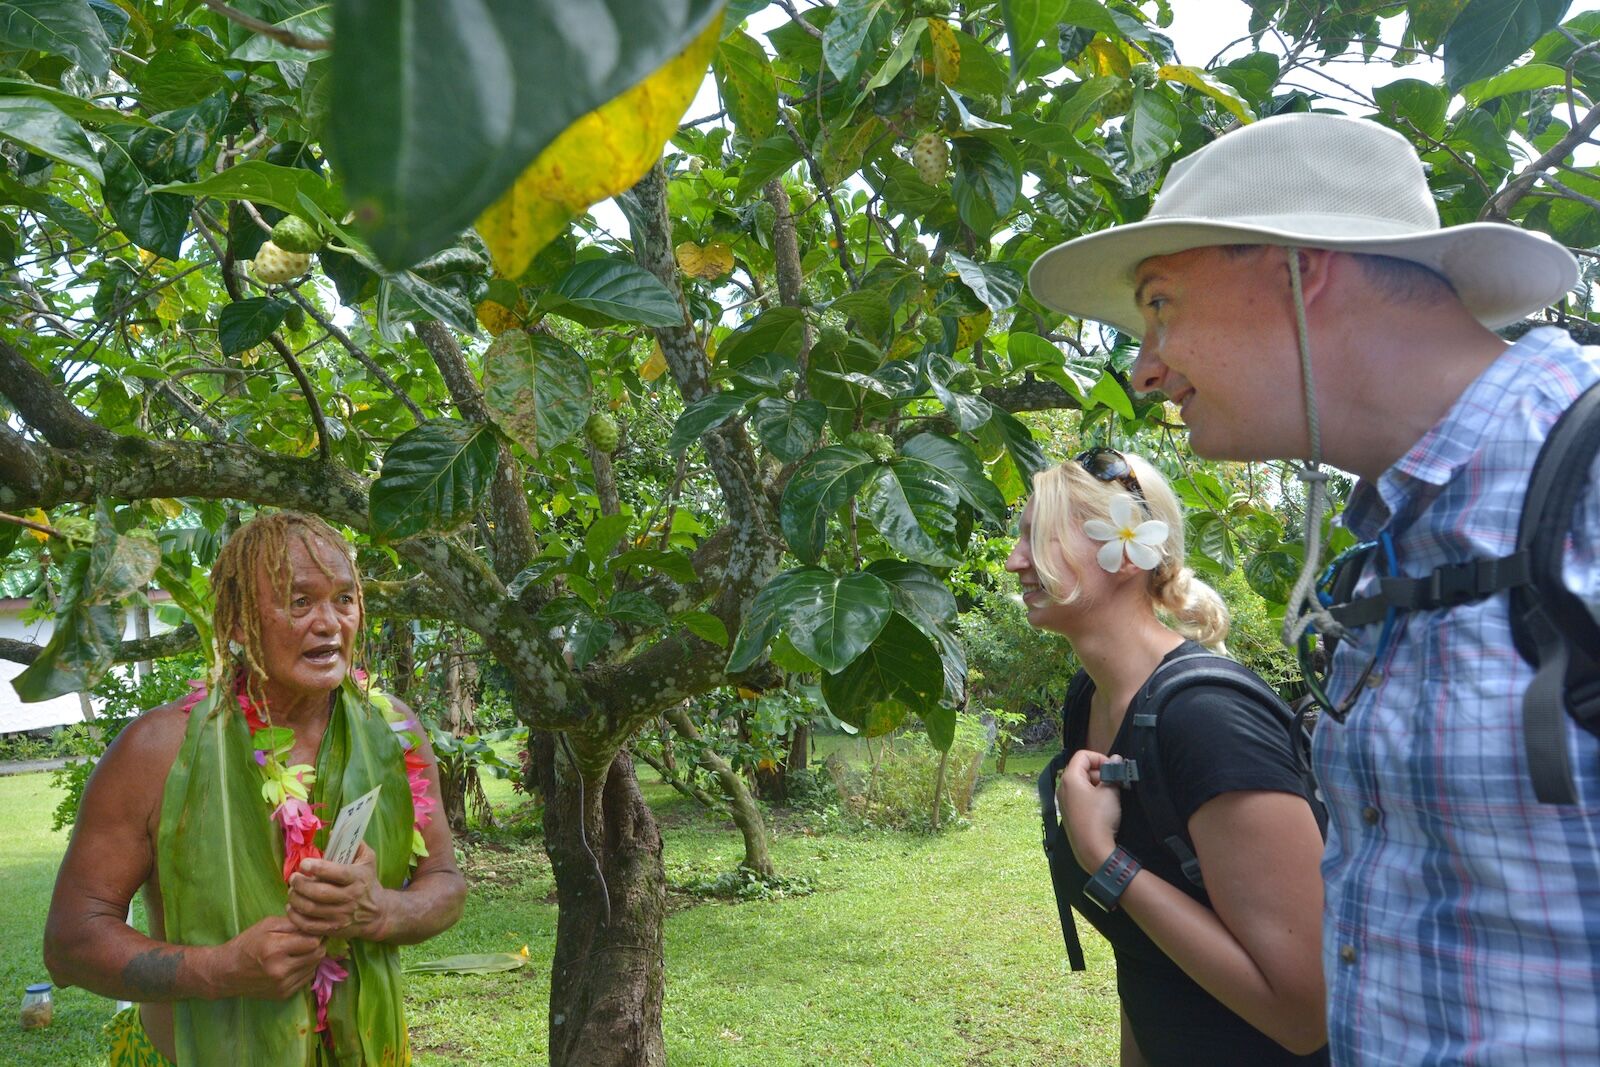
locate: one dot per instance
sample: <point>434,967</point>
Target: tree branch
<point>315,406</point>
<point>1499,208</point>
<point>267,29</point>
<point>43,406</point>
<point>373,367</point>
<point>158,646</point>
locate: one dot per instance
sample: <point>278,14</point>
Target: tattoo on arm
<point>152,974</point>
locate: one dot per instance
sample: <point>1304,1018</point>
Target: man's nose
<point>325,617</point>
<point>1148,373</point>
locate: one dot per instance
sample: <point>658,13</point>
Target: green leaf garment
<point>220,858</point>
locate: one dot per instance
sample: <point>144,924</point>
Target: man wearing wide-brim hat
<point>1297,298</point>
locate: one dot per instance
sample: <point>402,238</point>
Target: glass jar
<point>36,1006</point>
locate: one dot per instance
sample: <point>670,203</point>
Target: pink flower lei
<point>286,788</point>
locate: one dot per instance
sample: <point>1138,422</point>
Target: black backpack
<point>1552,628</point>
<point>1141,768</point>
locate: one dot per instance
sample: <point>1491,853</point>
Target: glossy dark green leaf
<point>997,285</point>
<point>178,74</point>
<point>789,428</point>
<point>1155,129</point>
<point>61,27</point>
<point>246,323</point>
<point>927,602</point>
<point>912,504</point>
<point>135,161</point>
<point>1025,451</point>
<point>41,127</point>
<point>744,77</point>
<point>619,290</point>
<point>75,107</point>
<point>1272,574</point>
<point>986,183</point>
<point>869,310</point>
<point>898,675</point>
<point>434,478</point>
<point>766,614</point>
<point>537,388</point>
<point>603,535</point>
<point>674,565</point>
<point>832,619</point>
<point>315,21</point>
<point>703,415</point>
<point>1210,547</point>
<point>821,486</point>
<point>590,636</point>
<point>965,470</point>
<point>940,722</point>
<point>264,183</point>
<point>777,330</point>
<point>630,607</point>
<point>441,109</point>
<point>1489,35</point>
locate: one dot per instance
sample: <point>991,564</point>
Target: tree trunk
<point>799,748</point>
<point>608,977</point>
<point>742,806</point>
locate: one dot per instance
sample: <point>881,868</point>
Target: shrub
<point>898,788</point>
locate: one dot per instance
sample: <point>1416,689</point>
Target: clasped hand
<point>337,900</point>
<point>1091,810</point>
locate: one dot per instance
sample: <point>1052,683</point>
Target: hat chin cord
<point>1304,609</point>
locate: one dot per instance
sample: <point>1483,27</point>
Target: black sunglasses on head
<point>1109,465</point>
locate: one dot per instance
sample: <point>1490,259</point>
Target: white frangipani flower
<point>1120,535</point>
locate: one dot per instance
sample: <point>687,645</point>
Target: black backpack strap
<point>1057,849</point>
<point>1552,628</point>
<point>1172,677</point>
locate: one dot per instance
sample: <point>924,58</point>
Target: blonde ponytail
<point>1193,608</point>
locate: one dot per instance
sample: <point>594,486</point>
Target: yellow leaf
<point>599,155</point>
<point>946,51</point>
<point>905,345</point>
<point>1199,80</point>
<point>1105,57</point>
<point>167,506</point>
<point>705,261</point>
<point>655,366</point>
<point>497,318</point>
<point>971,327</point>
<point>747,694</point>
<point>38,515</point>
<point>250,356</point>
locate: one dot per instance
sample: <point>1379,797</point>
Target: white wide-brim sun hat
<point>1312,181</point>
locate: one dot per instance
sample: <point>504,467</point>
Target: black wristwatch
<point>1108,883</point>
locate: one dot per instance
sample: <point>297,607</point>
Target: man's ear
<point>1317,270</point>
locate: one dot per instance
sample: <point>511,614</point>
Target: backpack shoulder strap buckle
<point>1123,773</point>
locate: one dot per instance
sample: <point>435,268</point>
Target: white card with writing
<point>344,840</point>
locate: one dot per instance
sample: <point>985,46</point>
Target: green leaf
<point>979,74</point>
<point>912,503</point>
<point>41,127</point>
<point>184,596</point>
<point>1272,574</point>
<point>704,415</point>
<point>134,161</point>
<point>83,644</point>
<point>766,161</point>
<point>868,309</point>
<point>633,608</point>
<point>440,110</point>
<point>899,675</point>
<point>1409,103</point>
<point>852,37</point>
<point>674,565</point>
<point>177,75</point>
<point>1202,82</point>
<point>1517,80</point>
<point>902,54</point>
<point>1025,452</point>
<point>789,428</point>
<point>965,470</point>
<point>1027,22</point>
<point>1489,35</point>
<point>986,183</point>
<point>705,626</point>
<point>777,330</point>
<point>744,77</point>
<point>119,565</point>
<point>603,535</point>
<point>434,477</point>
<point>61,27</point>
<point>72,106</point>
<point>940,723</point>
<point>997,285</point>
<point>1155,129</point>
<point>821,486</point>
<point>590,636</point>
<point>264,183</point>
<point>1208,541</point>
<point>537,388</point>
<point>617,290</point>
<point>832,619</point>
<point>315,22</point>
<point>1109,392</point>
<point>766,614</point>
<point>923,599</point>
<point>246,323</point>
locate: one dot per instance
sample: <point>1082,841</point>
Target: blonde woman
<point>1224,973</point>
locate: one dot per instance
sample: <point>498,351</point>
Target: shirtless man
<point>289,607</point>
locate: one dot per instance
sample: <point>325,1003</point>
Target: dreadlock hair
<point>265,539</point>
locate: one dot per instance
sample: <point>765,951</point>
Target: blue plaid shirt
<point>1462,923</point>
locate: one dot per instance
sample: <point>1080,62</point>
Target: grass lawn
<point>913,950</point>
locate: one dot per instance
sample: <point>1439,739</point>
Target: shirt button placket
<point>1370,815</point>
<point>1347,953</point>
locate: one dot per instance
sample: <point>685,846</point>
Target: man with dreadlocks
<point>260,952</point>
